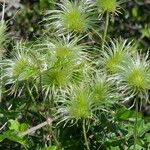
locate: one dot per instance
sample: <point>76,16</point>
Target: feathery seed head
<point>110,6</point>
<point>75,104</point>
<point>22,67</point>
<point>74,16</point>
<point>80,104</point>
<point>69,65</point>
<point>103,90</point>
<point>135,75</point>
<point>116,54</point>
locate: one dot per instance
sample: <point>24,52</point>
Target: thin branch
<point>6,9</point>
<point>33,129</point>
<point>3,11</point>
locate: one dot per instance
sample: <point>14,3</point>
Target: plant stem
<point>3,11</point>
<point>1,83</point>
<point>2,20</point>
<point>30,93</point>
<point>135,125</point>
<point>85,137</point>
<point>56,141</point>
<point>105,30</point>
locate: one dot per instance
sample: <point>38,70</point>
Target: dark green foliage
<point>81,65</point>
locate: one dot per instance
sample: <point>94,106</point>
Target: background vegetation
<point>91,81</point>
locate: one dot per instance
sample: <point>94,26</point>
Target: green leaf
<point>125,114</point>
<point>1,137</point>
<point>23,127</point>
<point>138,147</point>
<point>14,125</point>
<point>147,136</point>
<point>50,148</point>
<point>146,31</point>
<point>135,12</point>
<point>13,136</point>
<point>143,127</point>
<point>114,148</point>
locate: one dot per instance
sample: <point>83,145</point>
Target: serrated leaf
<point>23,127</point>
<point>14,125</point>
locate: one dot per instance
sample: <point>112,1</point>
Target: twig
<point>33,129</point>
<point>6,9</point>
<point>3,11</point>
<point>3,126</point>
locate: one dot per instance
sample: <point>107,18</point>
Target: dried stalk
<point>33,129</point>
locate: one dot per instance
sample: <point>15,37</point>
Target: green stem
<point>2,20</point>
<point>30,93</point>
<point>135,125</point>
<point>85,137</point>
<point>56,141</point>
<point>50,113</point>
<point>1,82</point>
<point>105,30</point>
